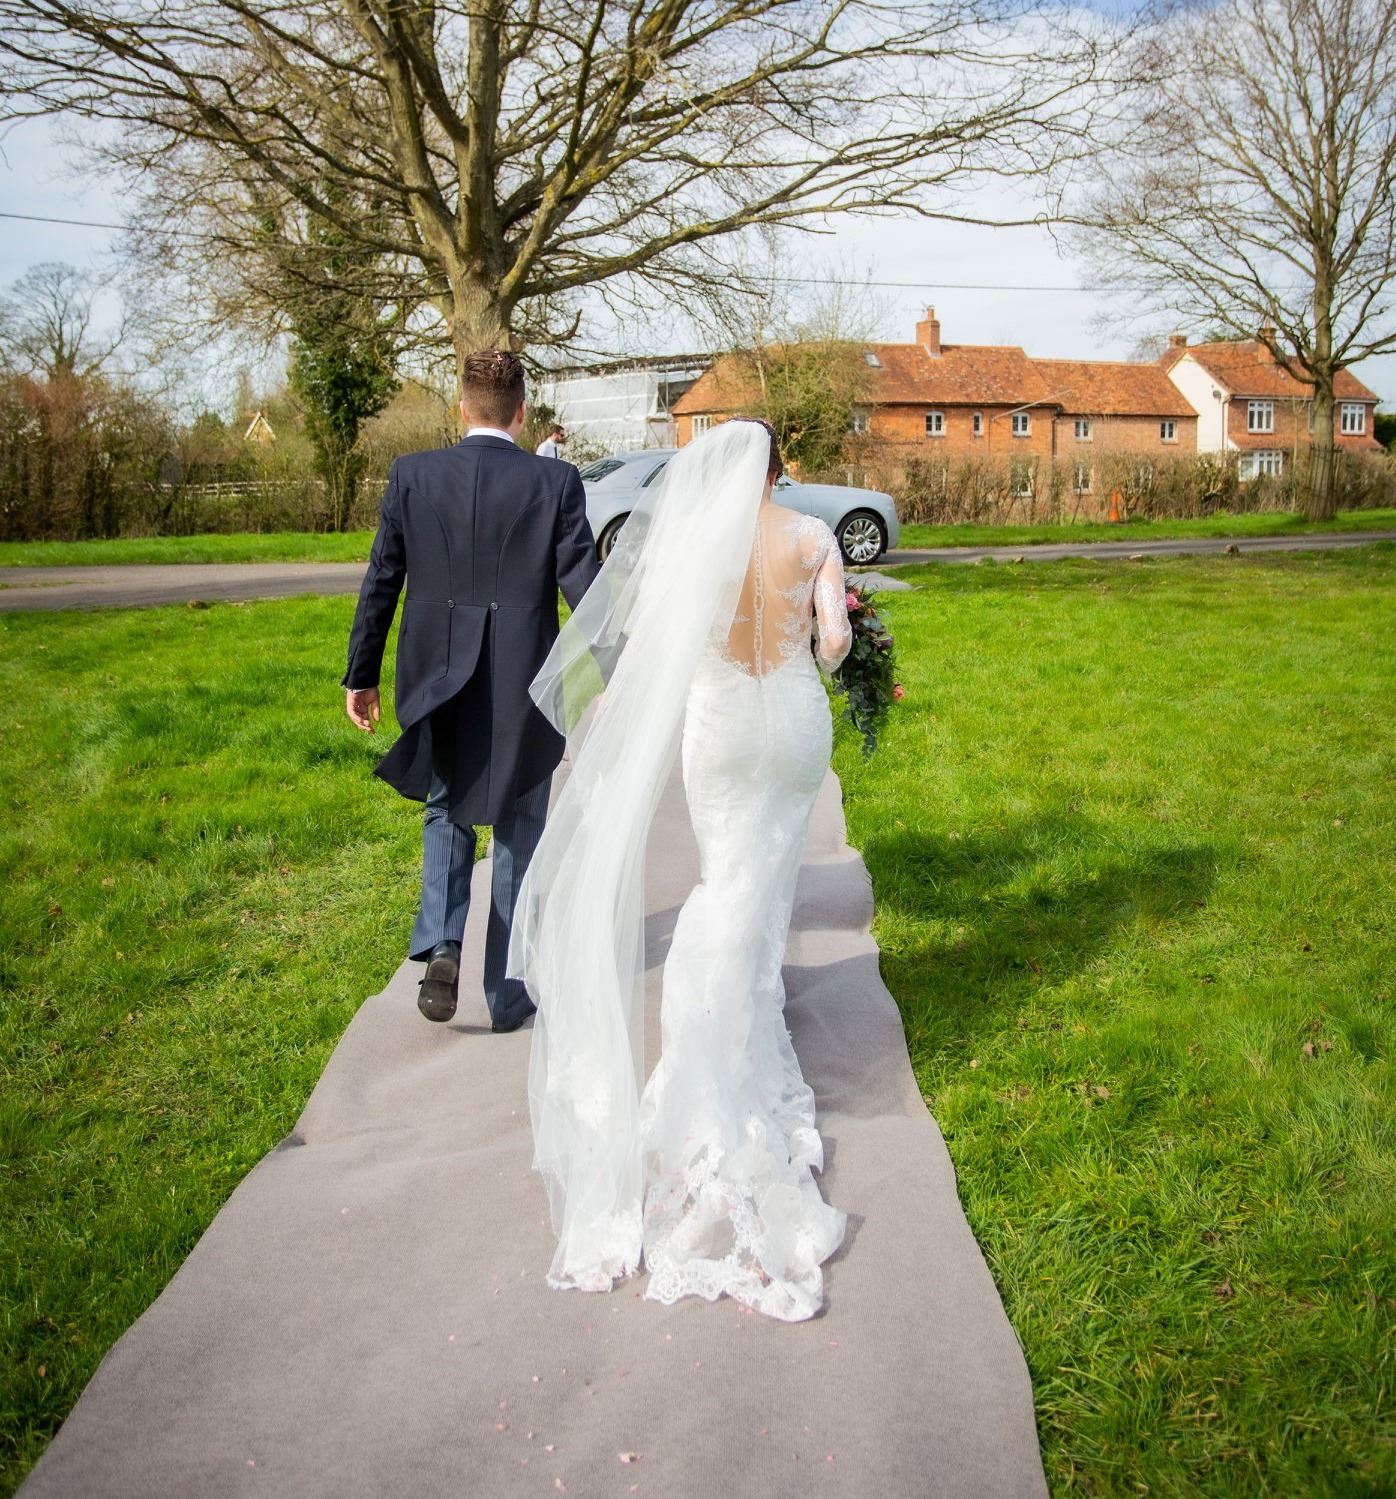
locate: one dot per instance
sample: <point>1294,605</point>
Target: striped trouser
<point>448,857</point>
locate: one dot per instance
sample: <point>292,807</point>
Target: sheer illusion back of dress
<point>795,563</point>
<point>727,1120</point>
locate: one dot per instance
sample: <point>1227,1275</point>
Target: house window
<point>1168,431</point>
<point>1022,424</point>
<point>976,423</point>
<point>871,360</point>
<point>1260,416</point>
<point>1268,462</point>
<point>1352,418</point>
<point>1083,478</point>
<point>1022,480</point>
<point>1083,429</point>
<point>701,424</point>
<point>858,422</point>
<point>935,424</point>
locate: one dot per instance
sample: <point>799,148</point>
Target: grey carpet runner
<point>367,1314</point>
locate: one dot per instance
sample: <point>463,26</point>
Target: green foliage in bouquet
<point>867,680</point>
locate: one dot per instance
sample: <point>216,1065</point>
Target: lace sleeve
<point>835,634</point>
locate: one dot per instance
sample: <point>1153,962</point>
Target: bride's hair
<point>776,467</point>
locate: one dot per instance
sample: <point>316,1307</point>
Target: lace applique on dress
<point>779,602</point>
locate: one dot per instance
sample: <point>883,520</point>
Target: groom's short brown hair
<point>492,386</point>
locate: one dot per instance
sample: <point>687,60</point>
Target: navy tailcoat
<point>483,534</point>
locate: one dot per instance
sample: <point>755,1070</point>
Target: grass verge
<point>1144,530</point>
<point>273,546</point>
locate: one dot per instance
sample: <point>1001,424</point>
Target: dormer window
<point>935,424</point>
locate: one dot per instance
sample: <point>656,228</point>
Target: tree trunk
<point>1321,505</point>
<point>477,317</point>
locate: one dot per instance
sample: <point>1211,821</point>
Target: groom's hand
<point>363,707</point>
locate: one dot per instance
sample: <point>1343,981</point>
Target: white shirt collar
<point>489,432</point>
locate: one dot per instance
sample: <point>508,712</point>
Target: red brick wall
<point>1124,434</point>
<point>907,425</point>
<point>905,428</point>
<point>1291,427</point>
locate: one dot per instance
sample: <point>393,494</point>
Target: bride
<point>695,641</point>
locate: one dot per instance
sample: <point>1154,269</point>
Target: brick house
<point>1250,404</point>
<point>929,400</point>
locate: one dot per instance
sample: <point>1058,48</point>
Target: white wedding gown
<point>727,1121</point>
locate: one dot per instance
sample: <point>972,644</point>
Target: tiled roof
<point>722,388</point>
<point>905,375</point>
<point>975,375</point>
<point>963,375</point>
<point>1098,387</point>
<point>1247,368</point>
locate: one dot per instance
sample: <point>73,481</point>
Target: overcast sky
<point>948,263</point>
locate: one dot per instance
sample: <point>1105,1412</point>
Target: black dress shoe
<point>513,1025</point>
<point>436,998</point>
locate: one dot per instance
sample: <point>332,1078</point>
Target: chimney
<point>1177,340</point>
<point>928,333</point>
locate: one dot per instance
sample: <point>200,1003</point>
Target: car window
<point>603,468</point>
<point>654,474</point>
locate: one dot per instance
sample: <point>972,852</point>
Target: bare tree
<point>46,324</point>
<point>1254,192</point>
<point>524,150</point>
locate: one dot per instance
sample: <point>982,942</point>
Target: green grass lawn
<point>352,546</point>
<point>1143,530</point>
<point>273,546</point>
<point>1131,837</point>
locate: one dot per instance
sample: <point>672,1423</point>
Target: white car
<point>863,520</point>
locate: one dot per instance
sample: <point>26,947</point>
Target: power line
<point>34,218</point>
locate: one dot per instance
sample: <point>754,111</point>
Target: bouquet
<point>867,680</point>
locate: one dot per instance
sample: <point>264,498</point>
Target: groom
<point>484,534</point>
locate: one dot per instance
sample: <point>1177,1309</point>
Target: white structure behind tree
<point>620,406</point>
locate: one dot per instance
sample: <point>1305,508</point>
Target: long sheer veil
<point>671,582</point>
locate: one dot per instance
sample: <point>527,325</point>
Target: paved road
<point>176,583</point>
<point>170,583</point>
<point>1106,550</point>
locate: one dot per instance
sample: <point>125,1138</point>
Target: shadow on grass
<point>970,925</point>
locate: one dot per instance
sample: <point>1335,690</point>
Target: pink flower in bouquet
<point>851,600</point>
<point>898,692</point>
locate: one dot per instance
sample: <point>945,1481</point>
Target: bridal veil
<point>616,684</point>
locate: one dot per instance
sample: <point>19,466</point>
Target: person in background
<point>551,446</point>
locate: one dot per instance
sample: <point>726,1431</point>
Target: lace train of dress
<point>727,1120</point>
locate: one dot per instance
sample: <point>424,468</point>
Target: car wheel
<point>608,536</point>
<point>862,538</point>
